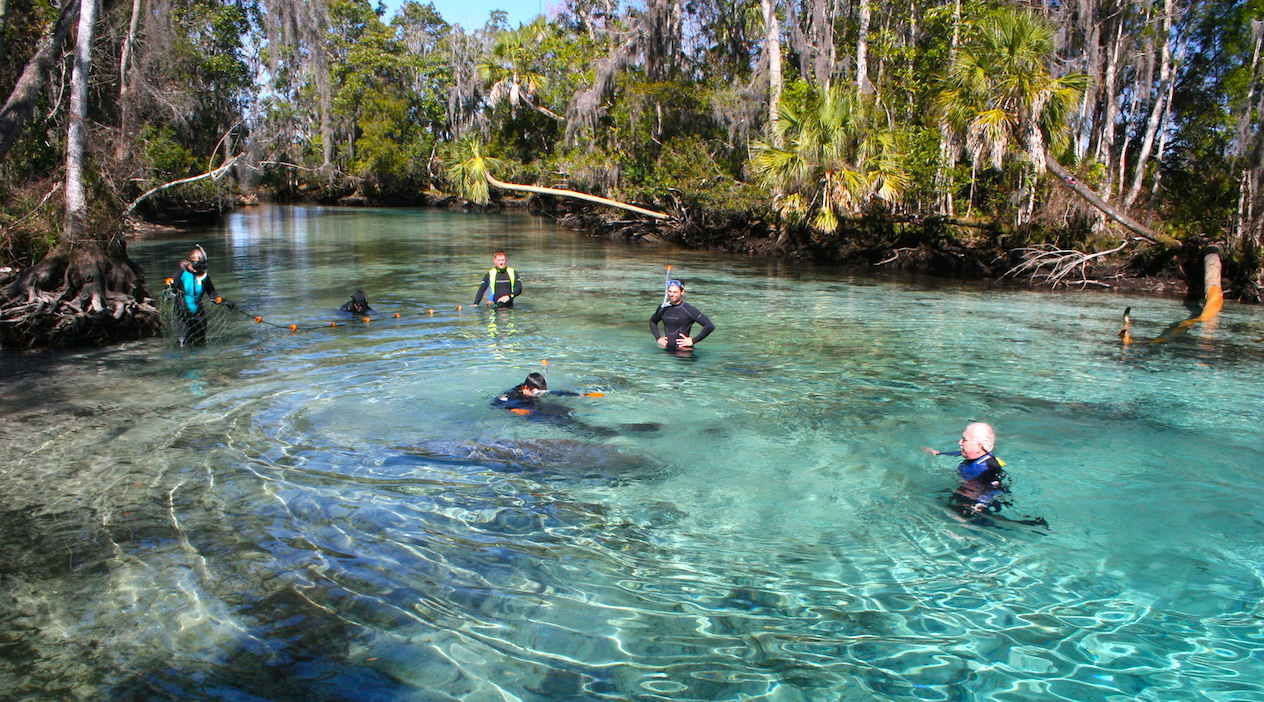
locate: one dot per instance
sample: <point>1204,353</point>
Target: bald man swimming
<point>982,488</point>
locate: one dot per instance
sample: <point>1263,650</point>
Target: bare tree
<point>76,197</point>
<point>772,49</point>
<point>1157,105</point>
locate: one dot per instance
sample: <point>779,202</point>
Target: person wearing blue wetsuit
<point>190,283</point>
<point>501,283</point>
<point>678,318</point>
<point>983,481</point>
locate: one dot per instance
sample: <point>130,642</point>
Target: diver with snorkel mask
<point>191,282</point>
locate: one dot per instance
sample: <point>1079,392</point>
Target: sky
<point>472,14</point>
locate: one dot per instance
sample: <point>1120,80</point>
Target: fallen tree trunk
<point>1070,181</point>
<point>213,175</point>
<point>558,192</point>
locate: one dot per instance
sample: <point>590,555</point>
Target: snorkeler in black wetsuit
<point>526,400</point>
<point>359,303</point>
<point>678,318</point>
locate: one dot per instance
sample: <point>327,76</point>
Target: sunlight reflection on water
<point>339,514</point>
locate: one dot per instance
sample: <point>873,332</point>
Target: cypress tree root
<point>83,296</point>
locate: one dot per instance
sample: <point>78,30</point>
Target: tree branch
<point>213,175</point>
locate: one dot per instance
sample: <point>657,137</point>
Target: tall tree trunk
<point>772,49</point>
<point>76,133</point>
<point>4,23</point>
<point>1106,140</point>
<point>822,39</point>
<point>1162,150</point>
<point>125,84</point>
<point>326,107</point>
<point>21,103</point>
<point>863,86</point>
<point>1092,67</point>
<point>1156,108</point>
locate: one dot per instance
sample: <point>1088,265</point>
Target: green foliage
<point>467,168</point>
<point>166,157</point>
<point>838,159</point>
<point>688,165</point>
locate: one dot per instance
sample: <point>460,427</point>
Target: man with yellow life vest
<point>501,283</point>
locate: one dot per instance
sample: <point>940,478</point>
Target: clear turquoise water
<point>338,513</point>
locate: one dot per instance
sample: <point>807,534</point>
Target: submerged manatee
<point>564,458</point>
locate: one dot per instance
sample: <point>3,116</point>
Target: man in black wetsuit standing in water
<point>678,318</point>
<point>501,283</point>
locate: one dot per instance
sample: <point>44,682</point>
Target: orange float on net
<point>458,308</point>
<point>259,320</point>
<point>333,324</point>
<point>219,300</point>
<point>170,281</point>
<point>396,315</point>
<point>293,327</point>
<point>366,320</point>
<point>430,311</point>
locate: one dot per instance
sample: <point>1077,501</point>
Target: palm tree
<point>837,159</point>
<point>507,72</point>
<point>471,172</point>
<point>1001,96</point>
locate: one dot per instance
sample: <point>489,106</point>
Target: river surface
<point>338,513</point>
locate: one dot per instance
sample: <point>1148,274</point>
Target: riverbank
<point>925,248</point>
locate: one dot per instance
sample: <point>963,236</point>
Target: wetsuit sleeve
<point>654,320</point>
<point>517,287</point>
<point>564,393</point>
<point>707,326</point>
<point>209,288</point>
<point>478,297</point>
<point>950,453</point>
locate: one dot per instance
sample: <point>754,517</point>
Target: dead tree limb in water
<point>1052,265</point>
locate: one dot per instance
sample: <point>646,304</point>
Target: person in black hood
<point>359,303</point>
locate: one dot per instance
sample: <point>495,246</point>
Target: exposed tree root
<point>77,298</point>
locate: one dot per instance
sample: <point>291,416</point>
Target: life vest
<point>191,296</point>
<point>491,281</point>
